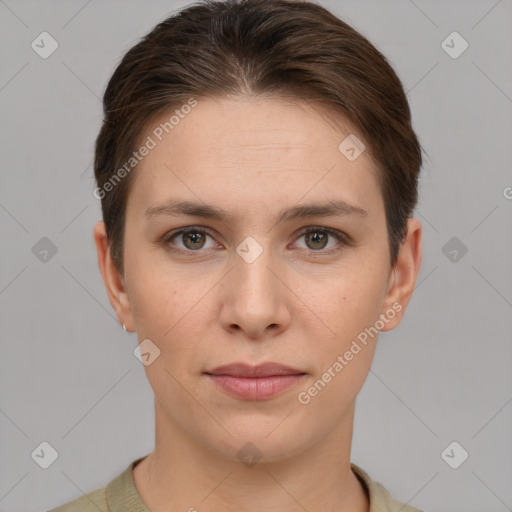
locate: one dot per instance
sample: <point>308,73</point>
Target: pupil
<point>193,237</point>
<point>316,238</point>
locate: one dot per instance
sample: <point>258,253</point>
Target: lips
<point>260,382</point>
<point>261,370</point>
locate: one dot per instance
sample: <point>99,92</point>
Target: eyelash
<point>341,237</point>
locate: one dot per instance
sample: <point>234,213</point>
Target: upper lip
<point>261,370</point>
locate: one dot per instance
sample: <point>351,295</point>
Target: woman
<point>258,171</point>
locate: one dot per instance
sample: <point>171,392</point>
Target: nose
<point>255,299</point>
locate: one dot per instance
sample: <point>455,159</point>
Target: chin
<point>259,439</point>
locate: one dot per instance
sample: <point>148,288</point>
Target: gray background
<point>68,373</point>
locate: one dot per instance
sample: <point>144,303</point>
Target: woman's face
<point>255,287</point>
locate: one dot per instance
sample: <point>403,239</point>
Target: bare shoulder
<point>95,501</point>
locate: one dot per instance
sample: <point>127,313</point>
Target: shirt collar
<point>122,494</point>
<point>379,497</point>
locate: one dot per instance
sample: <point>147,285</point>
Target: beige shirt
<point>121,495</point>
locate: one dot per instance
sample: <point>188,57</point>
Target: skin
<point>299,304</point>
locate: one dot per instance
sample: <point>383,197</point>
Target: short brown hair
<point>291,48</point>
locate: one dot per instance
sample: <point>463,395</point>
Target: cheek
<point>155,302</point>
<point>350,308</point>
<point>166,308</point>
<point>155,290</point>
<point>351,302</point>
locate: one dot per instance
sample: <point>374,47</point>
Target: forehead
<point>252,152</point>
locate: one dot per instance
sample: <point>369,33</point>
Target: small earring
<point>124,327</point>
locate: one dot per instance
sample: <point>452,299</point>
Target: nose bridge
<point>253,277</point>
<point>255,299</point>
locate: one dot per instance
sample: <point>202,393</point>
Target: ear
<point>113,280</point>
<point>403,276</point>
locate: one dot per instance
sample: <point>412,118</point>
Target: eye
<point>192,239</point>
<point>317,239</point>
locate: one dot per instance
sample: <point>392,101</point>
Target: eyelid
<point>338,234</point>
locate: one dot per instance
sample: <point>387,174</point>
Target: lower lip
<point>255,388</point>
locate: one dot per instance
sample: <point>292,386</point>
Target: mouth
<point>260,370</point>
<point>259,382</point>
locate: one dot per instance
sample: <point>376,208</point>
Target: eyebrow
<point>326,209</point>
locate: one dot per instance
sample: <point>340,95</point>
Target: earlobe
<point>112,279</point>
<point>404,275</point>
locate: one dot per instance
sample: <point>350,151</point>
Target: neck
<point>182,474</point>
